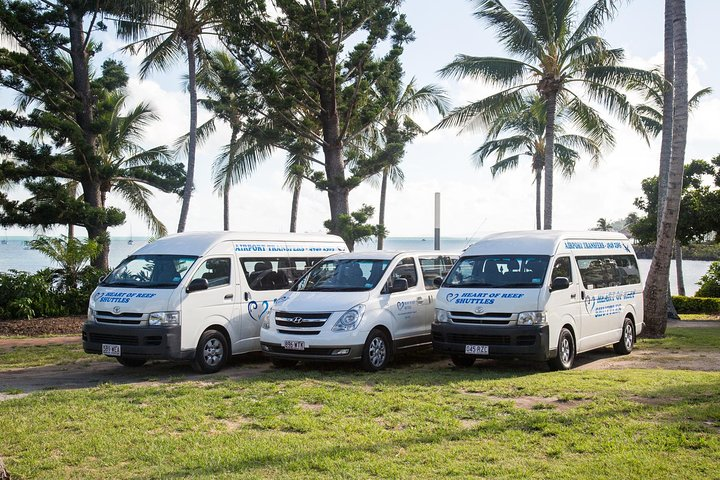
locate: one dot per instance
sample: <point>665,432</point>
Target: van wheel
<point>627,340</point>
<point>283,362</point>
<point>131,361</point>
<point>376,352</point>
<point>565,352</point>
<point>211,353</point>
<point>462,360</point>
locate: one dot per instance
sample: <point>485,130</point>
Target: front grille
<point>114,339</point>
<point>470,339</point>
<point>118,321</point>
<point>299,332</point>
<point>123,318</point>
<point>283,323</point>
<point>122,314</point>
<point>307,351</point>
<point>307,320</point>
<point>501,318</point>
<point>525,340</point>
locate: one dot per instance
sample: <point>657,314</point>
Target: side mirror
<point>102,279</point>
<point>399,285</point>
<point>197,284</point>
<point>437,281</point>
<point>560,283</point>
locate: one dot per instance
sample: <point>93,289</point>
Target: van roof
<point>533,242</point>
<point>389,254</point>
<point>198,243</point>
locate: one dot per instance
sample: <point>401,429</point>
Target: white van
<point>543,295</point>
<point>357,306</point>
<point>197,296</point>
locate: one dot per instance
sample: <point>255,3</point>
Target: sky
<point>472,201</point>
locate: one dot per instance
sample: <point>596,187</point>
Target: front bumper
<point>526,342</point>
<point>136,342</point>
<point>321,347</point>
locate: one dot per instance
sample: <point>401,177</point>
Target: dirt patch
<point>36,327</point>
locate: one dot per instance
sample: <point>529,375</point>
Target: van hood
<point>130,300</point>
<point>488,300</point>
<point>306,302</point>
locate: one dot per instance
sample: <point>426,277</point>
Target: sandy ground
<point>97,370</point>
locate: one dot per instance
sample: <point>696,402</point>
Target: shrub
<point>696,304</point>
<point>710,282</point>
<point>26,295</point>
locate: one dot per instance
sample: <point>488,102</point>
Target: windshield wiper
<point>521,284</point>
<point>475,284</point>
<point>120,284</point>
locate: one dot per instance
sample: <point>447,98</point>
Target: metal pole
<point>437,220</point>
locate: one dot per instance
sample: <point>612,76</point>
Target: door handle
<point>420,300</point>
<point>582,295</point>
<point>573,295</point>
<point>229,296</point>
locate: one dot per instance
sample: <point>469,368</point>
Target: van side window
<point>434,267</point>
<point>604,271</point>
<point>216,271</point>
<point>275,273</point>
<point>406,269</point>
<point>562,269</point>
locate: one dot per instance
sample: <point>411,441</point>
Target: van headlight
<point>265,324</point>
<point>350,319</point>
<point>532,318</point>
<point>91,316</point>
<point>164,319</point>
<point>441,316</point>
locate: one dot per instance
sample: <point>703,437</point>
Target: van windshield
<point>350,275</point>
<point>498,271</point>
<point>150,271</point>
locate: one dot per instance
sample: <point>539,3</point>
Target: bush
<point>696,304</point>
<point>27,295</point>
<point>710,282</point>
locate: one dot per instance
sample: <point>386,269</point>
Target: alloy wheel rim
<point>377,352</point>
<point>213,352</point>
<point>628,336</point>
<point>565,351</point>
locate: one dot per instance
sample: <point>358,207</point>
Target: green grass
<point>700,338</point>
<point>416,420</point>
<point>37,356</point>
<point>699,316</point>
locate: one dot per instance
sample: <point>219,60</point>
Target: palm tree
<point>653,112</point>
<point>526,136</point>
<point>127,168</point>
<point>655,295</point>
<point>557,54</point>
<point>227,86</point>
<point>71,254</point>
<point>173,28</point>
<point>394,128</point>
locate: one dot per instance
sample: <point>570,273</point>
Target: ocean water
<point>17,256</point>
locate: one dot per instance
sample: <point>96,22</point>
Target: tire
<point>211,352</point>
<point>376,352</point>
<point>627,338</point>
<point>462,360</point>
<point>131,362</point>
<point>283,362</point>
<point>565,352</point>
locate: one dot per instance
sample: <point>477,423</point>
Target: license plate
<point>477,350</point>
<point>293,345</point>
<point>111,350</point>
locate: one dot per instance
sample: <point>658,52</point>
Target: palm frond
<point>513,32</point>
<point>202,133</point>
<point>594,18</point>
<point>137,197</point>
<point>483,112</point>
<point>499,71</point>
<point>500,147</point>
<point>248,154</point>
<point>504,165</point>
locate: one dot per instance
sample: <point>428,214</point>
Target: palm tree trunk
<point>667,125</point>
<point>679,268</point>
<point>551,99</point>
<point>381,214</point>
<point>655,289</point>
<point>294,207</point>
<point>228,178</point>
<point>538,196</point>
<point>192,88</point>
